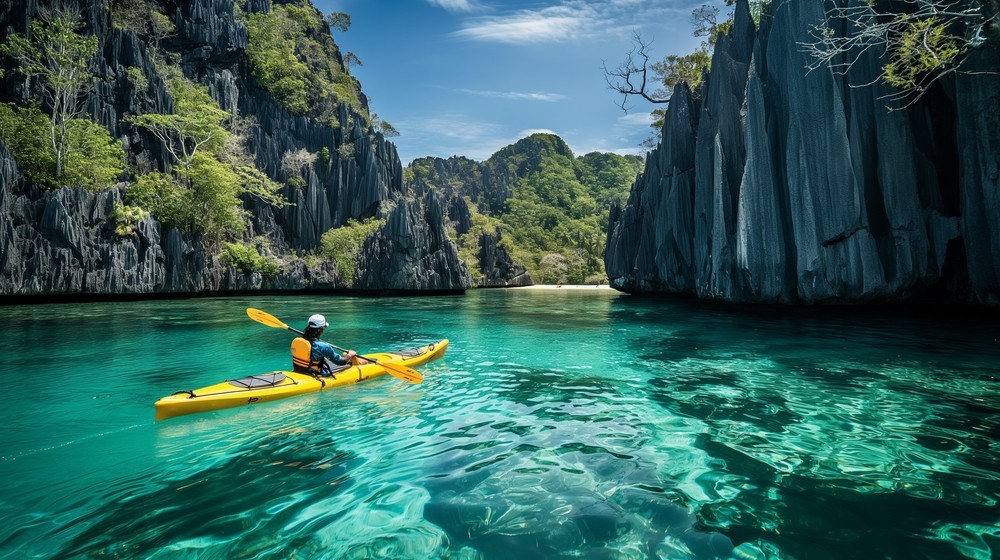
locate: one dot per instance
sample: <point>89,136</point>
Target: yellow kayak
<point>275,385</point>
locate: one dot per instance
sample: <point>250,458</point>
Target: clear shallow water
<point>560,424</point>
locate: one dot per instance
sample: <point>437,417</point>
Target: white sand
<point>563,287</point>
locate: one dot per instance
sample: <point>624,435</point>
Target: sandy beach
<point>563,287</point>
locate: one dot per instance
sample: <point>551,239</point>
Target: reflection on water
<point>559,425</point>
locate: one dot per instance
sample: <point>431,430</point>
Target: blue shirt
<point>322,350</point>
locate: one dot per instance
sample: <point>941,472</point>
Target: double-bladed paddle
<point>396,370</point>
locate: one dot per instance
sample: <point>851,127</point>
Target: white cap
<point>318,321</point>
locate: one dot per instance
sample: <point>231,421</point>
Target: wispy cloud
<point>516,95</point>
<point>555,23</point>
<point>453,5</point>
<point>644,119</point>
<point>528,132</point>
<point>567,20</point>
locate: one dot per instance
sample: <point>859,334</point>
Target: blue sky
<point>468,77</point>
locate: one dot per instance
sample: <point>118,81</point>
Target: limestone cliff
<point>777,185</point>
<point>62,241</point>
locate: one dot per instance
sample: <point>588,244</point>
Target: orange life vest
<point>302,356</point>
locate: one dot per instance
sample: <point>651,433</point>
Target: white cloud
<point>453,5</point>
<point>528,132</point>
<point>517,95</point>
<point>636,119</point>
<point>525,27</point>
<point>569,20</point>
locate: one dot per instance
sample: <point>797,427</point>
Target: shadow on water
<point>248,499</point>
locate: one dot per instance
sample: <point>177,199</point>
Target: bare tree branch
<point>930,40</point>
<point>631,77</point>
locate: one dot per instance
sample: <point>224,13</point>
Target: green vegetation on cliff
<point>210,169</point>
<point>294,57</point>
<point>343,245</point>
<point>555,220</point>
<point>61,148</point>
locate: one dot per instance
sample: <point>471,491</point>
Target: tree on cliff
<point>920,41</point>
<point>292,54</point>
<point>654,81</point>
<point>60,58</point>
<point>79,152</point>
<point>210,168</point>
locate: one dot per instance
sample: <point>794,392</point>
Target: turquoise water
<point>560,424</point>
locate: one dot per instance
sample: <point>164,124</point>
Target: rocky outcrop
<point>412,250</point>
<point>497,267</point>
<point>786,186</point>
<point>63,242</point>
<point>487,185</point>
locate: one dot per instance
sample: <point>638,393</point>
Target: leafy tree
<point>294,57</point>
<point>138,79</point>
<point>924,40</point>
<point>552,269</point>
<point>383,126</point>
<point>211,170</point>
<point>342,245</point>
<point>25,130</point>
<point>146,17</point>
<point>165,198</point>
<point>126,218</point>
<point>59,57</point>
<point>94,160</point>
<point>248,260</point>
<point>195,124</point>
<point>339,20</point>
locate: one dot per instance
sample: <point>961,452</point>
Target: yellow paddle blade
<point>402,372</point>
<point>265,318</point>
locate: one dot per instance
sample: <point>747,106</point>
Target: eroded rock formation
<point>62,242</point>
<point>779,185</point>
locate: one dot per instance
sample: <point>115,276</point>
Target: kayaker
<point>309,352</point>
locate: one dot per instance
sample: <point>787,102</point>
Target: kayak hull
<point>275,385</point>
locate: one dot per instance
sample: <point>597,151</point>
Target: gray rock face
<point>788,186</point>
<point>412,250</point>
<point>62,242</point>
<point>497,266</point>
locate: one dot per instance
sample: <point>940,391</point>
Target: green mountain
<point>549,206</point>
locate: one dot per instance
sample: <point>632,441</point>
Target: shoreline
<point>591,287</point>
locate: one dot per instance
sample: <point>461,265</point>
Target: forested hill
<point>199,146</point>
<point>777,184</point>
<point>534,201</point>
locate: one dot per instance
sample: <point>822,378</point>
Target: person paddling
<point>310,354</point>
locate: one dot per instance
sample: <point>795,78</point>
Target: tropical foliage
<point>126,217</point>
<point>294,57</point>
<point>342,245</point>
<point>92,159</point>
<point>60,149</point>
<point>559,205</point>
<point>248,260</point>
<point>210,169</point>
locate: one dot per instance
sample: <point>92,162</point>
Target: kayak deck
<point>275,385</point>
